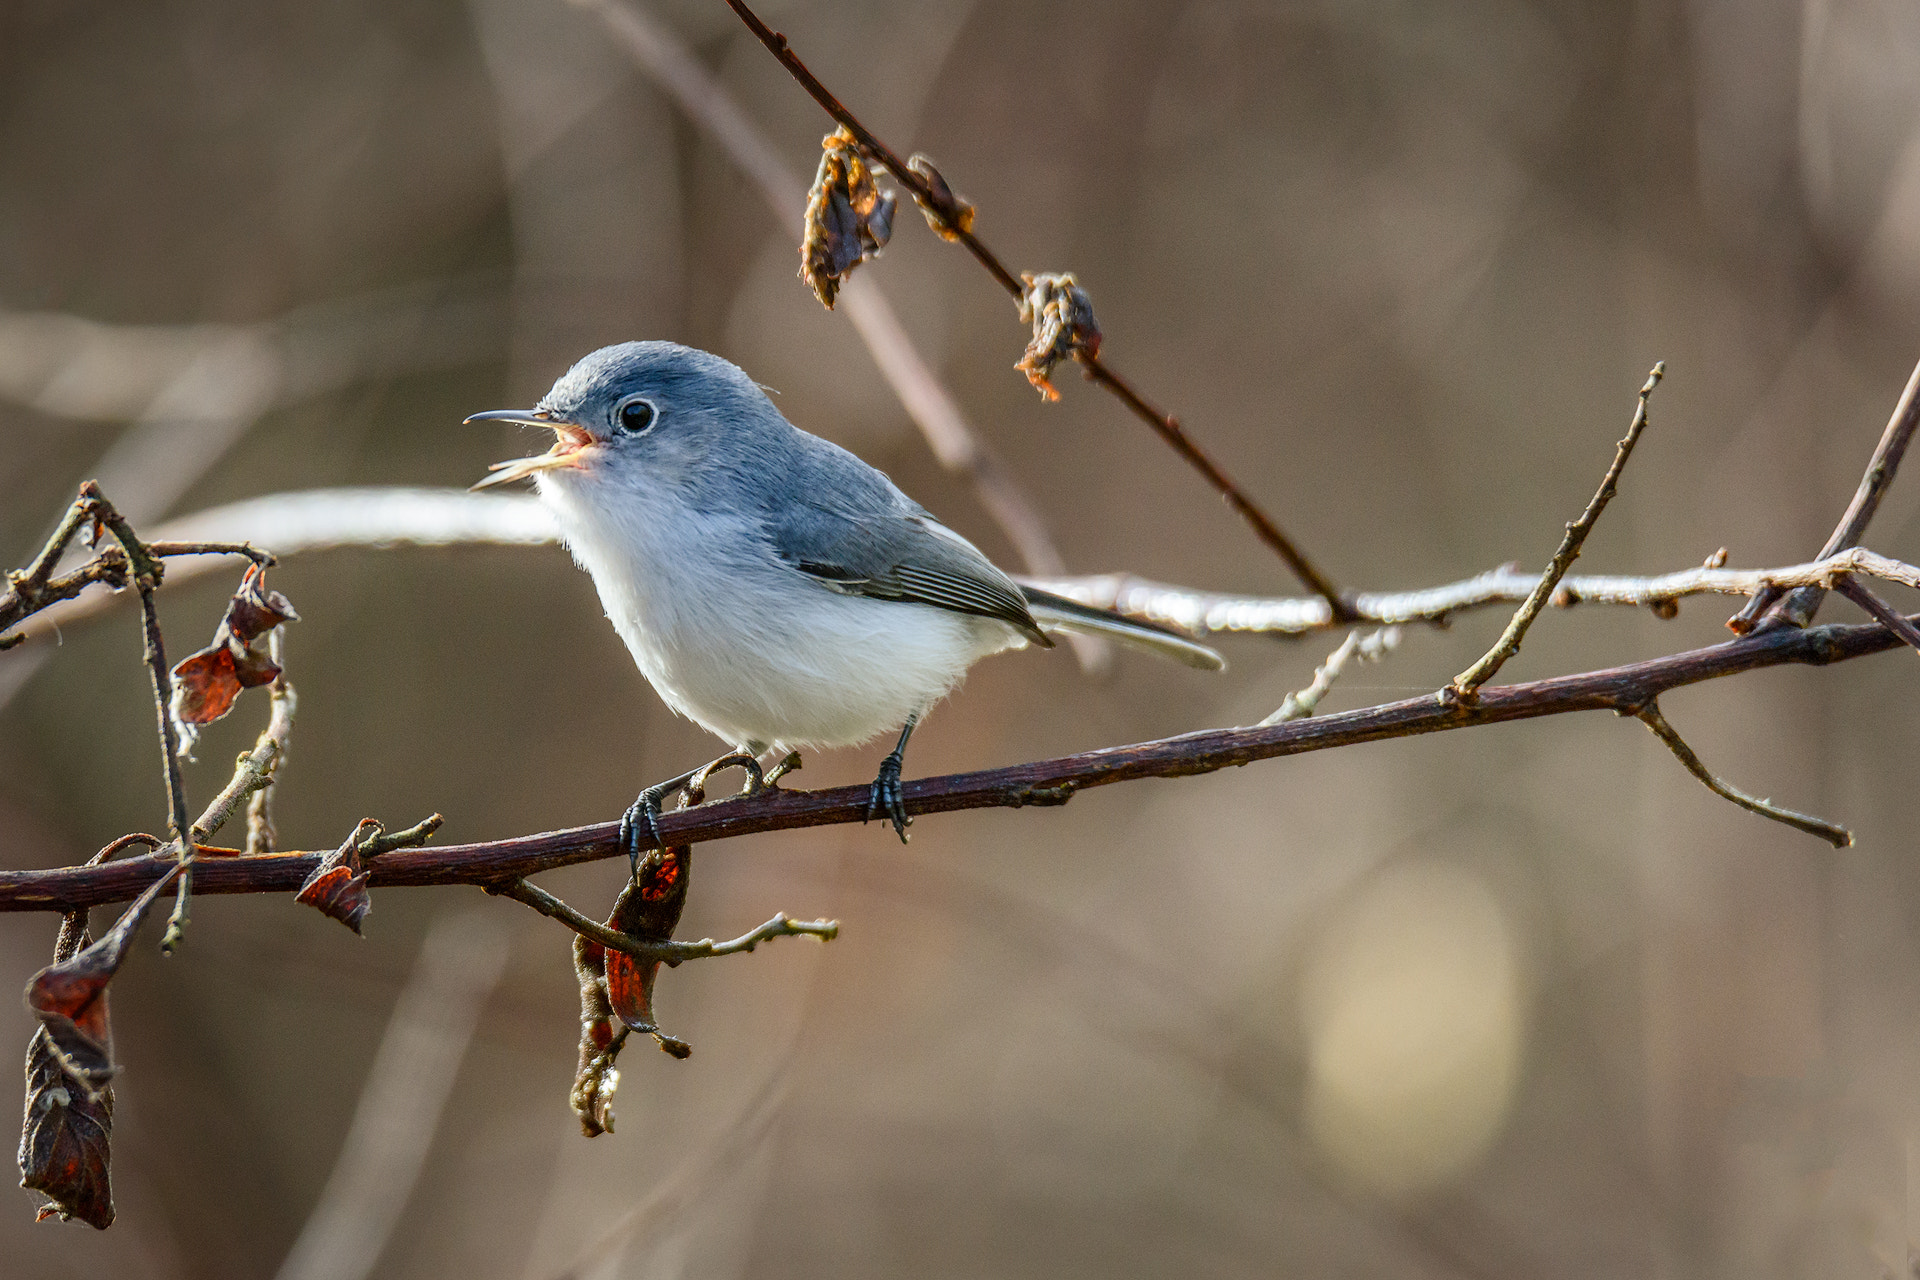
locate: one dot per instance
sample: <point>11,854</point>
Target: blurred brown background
<point>1517,1002</point>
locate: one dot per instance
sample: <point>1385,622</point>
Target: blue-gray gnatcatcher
<point>774,588</point>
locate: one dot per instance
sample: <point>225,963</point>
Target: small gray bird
<point>774,588</point>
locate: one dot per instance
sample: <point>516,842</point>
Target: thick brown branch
<point>956,224</point>
<point>1799,608</point>
<point>1046,782</point>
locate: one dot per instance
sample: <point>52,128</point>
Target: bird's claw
<point>642,816</point>
<point>885,799</point>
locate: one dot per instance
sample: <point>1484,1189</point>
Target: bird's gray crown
<point>666,372</point>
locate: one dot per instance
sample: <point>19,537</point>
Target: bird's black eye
<point>636,416</point>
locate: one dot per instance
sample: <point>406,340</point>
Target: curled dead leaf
<point>616,990</point>
<point>206,683</point>
<point>66,1132</point>
<point>1063,326</point>
<point>338,886</point>
<point>66,1140</point>
<point>848,219</point>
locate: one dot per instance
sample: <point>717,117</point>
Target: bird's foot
<point>884,799</point>
<point>640,824</point>
<point>696,785</point>
<point>789,763</point>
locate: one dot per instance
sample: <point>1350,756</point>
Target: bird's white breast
<point>743,644</point>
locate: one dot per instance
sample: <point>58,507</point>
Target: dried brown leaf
<point>206,683</point>
<point>616,990</point>
<point>1063,326</point>
<point>65,1135</point>
<point>66,1139</point>
<point>848,219</point>
<point>338,886</point>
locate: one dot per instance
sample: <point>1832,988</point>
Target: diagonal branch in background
<point>1467,684</point>
<point>192,391</point>
<point>1833,833</point>
<point>1798,609</point>
<point>1622,689</point>
<point>952,218</point>
<point>674,69</point>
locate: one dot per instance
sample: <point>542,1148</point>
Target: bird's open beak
<point>565,452</point>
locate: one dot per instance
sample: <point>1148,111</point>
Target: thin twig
<point>1368,648</point>
<point>1798,609</point>
<point>147,573</point>
<point>1468,682</point>
<point>283,703</point>
<point>1622,689</point>
<point>954,225</point>
<point>1838,836</point>
<point>412,837</point>
<point>1884,613</point>
<point>672,953</point>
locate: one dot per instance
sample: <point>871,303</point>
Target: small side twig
<point>1883,613</point>
<point>670,953</point>
<point>1368,648</point>
<point>1798,609</point>
<point>147,572</point>
<point>410,838</point>
<point>1833,833</point>
<point>261,836</point>
<point>1467,682</point>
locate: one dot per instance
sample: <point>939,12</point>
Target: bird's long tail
<point>1057,613</point>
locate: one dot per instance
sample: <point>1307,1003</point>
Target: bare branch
<point>283,704</point>
<point>1466,684</point>
<point>1203,612</point>
<point>1623,689</point>
<point>325,519</point>
<point>1881,467</point>
<point>954,221</point>
<point>1858,592</point>
<point>1838,836</point>
<point>671,953</point>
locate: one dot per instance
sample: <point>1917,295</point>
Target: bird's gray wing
<point>896,551</point>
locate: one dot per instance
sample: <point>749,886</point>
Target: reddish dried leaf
<point>848,219</point>
<point>338,886</point>
<point>616,991</point>
<point>205,686</point>
<point>1063,326</point>
<point>65,1134</point>
<point>66,1139</point>
<point>206,683</point>
<point>254,610</point>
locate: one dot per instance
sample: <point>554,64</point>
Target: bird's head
<point>631,409</point>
